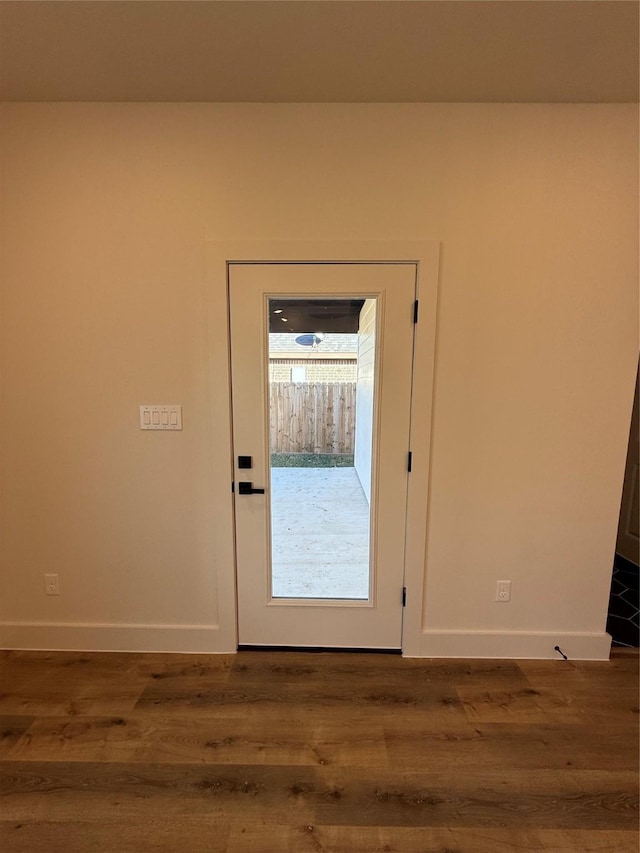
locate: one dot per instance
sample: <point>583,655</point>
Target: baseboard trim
<point>514,645</point>
<point>92,637</point>
<point>210,639</point>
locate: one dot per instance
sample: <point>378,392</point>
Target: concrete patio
<point>320,533</point>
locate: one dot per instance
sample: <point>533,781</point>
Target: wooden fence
<point>313,417</point>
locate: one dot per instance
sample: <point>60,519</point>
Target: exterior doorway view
<point>321,358</point>
<point>321,395</point>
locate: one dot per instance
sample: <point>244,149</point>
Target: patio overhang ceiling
<point>302,316</point>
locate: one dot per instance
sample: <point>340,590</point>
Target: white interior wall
<point>364,395</point>
<point>106,209</point>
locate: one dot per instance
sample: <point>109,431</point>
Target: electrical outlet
<point>503,591</point>
<point>51,584</point>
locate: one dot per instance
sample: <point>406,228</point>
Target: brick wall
<point>315,370</point>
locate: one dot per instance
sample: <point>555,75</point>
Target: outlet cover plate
<point>503,591</point>
<point>52,584</point>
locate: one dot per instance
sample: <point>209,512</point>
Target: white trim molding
<point>426,255</point>
<point>96,637</point>
<point>527,645</point>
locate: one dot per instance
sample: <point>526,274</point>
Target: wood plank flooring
<point>325,753</point>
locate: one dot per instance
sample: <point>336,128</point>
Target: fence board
<point>312,417</point>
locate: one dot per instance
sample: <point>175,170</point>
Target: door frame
<point>426,256</point>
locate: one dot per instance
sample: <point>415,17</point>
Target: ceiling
<point>341,316</point>
<point>319,51</point>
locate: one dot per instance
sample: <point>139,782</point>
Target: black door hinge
<point>415,311</point>
<point>233,486</point>
<point>404,596</point>
<point>409,461</point>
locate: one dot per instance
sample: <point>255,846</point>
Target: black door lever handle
<point>245,488</point>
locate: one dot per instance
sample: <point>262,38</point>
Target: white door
<point>321,358</point>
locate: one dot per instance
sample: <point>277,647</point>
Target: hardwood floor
<point>326,753</point>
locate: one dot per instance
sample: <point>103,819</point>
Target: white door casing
<point>426,255</point>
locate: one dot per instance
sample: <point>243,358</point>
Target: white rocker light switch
<point>161,417</point>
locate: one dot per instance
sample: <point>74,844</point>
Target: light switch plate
<point>160,417</point>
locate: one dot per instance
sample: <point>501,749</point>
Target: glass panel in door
<point>322,368</point>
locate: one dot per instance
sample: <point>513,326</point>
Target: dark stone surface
<point>623,622</point>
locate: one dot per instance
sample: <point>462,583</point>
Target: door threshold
<point>248,647</point>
